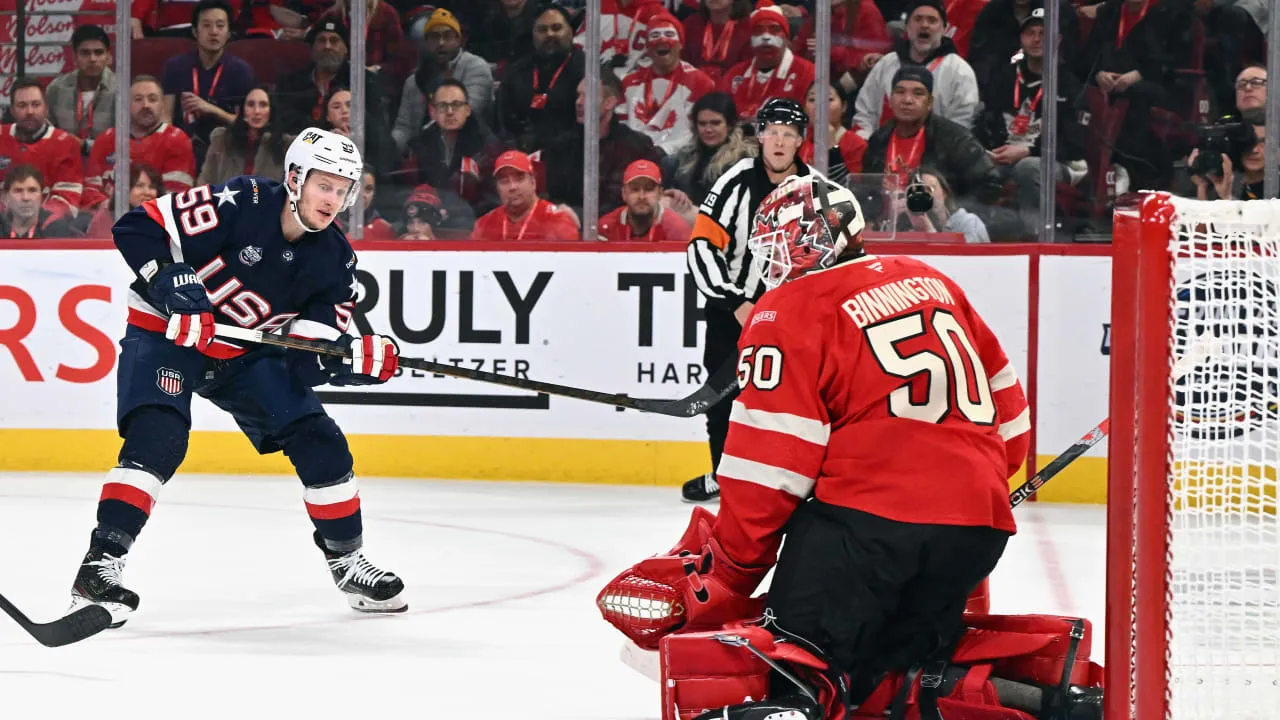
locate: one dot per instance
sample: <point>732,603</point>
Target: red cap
<point>642,169</point>
<point>766,12</point>
<point>513,159</point>
<point>666,19</point>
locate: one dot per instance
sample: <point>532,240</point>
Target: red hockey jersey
<point>670,227</point>
<point>749,88</point>
<point>166,149</point>
<point>659,106</point>
<point>56,154</point>
<point>547,221</point>
<point>873,385</point>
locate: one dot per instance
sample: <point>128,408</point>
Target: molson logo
<point>52,6</point>
<point>40,60</point>
<point>40,28</point>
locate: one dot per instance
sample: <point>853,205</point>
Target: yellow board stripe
<point>622,462</point>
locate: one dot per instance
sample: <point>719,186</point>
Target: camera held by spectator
<point>1230,137</point>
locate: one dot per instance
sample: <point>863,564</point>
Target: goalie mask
<point>805,224</point>
<point>316,149</point>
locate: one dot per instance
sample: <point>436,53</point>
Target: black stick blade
<point>72,628</point>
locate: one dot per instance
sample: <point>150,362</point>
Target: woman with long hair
<point>717,144</point>
<point>844,148</point>
<point>145,183</point>
<point>250,146</point>
<point>337,118</point>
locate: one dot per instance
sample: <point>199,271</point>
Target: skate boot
<point>99,583</point>
<point>703,488</point>
<point>367,587</point>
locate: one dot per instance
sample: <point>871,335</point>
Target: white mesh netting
<point>1225,452</point>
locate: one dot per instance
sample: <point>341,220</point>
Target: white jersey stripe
<point>769,476</point>
<point>1006,378</point>
<point>797,426</point>
<point>1016,426</point>
<point>164,204</point>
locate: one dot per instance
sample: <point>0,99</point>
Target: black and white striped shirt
<point>718,254</point>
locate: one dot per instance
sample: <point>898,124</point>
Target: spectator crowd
<point>474,111</point>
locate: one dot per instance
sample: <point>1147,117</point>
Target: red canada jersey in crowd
<point>547,221</point>
<point>750,88</point>
<point>669,227</point>
<point>56,154</point>
<point>872,385</point>
<point>166,149</point>
<point>659,105</point>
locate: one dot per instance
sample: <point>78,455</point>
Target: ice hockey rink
<point>240,619</point>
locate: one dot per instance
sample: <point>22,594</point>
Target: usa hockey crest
<point>251,255</point>
<point>169,381</point>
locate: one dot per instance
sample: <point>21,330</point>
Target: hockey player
<point>720,260</point>
<point>877,426</point>
<point>258,254</point>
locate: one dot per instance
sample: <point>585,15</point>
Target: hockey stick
<point>74,627</point>
<point>720,385</point>
<point>1046,473</point>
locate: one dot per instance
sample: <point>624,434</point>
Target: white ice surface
<point>239,618</point>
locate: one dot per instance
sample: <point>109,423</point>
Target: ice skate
<point>703,488</point>
<point>99,582</point>
<point>368,588</point>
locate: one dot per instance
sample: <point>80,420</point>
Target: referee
<point>721,262</point>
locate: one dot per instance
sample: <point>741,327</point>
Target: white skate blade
<point>642,661</point>
<point>361,603</point>
<point>119,611</point>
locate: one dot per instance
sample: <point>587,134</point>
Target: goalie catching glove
<point>694,586</point>
<point>177,290</point>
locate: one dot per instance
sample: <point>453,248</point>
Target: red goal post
<point>1193,540</point>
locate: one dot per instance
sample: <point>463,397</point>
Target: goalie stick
<point>71,628</point>
<point>720,385</point>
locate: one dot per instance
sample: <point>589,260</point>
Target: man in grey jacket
<point>441,56</point>
<point>955,94</point>
<point>83,101</point>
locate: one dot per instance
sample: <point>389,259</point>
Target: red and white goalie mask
<point>805,224</point>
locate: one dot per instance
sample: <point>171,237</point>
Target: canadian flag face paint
<point>767,43</point>
<point>664,37</point>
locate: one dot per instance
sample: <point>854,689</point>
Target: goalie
<point>878,423</point>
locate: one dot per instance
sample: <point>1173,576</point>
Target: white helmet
<point>316,149</point>
<point>805,224</point>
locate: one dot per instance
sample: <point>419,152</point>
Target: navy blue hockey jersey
<point>231,235</point>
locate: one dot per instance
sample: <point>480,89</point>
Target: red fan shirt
<point>750,87</point>
<point>669,227</point>
<point>56,154</point>
<point>546,221</point>
<point>872,385</point>
<point>166,149</point>
<point>659,105</point>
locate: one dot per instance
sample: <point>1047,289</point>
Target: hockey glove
<point>177,290</point>
<point>374,359</point>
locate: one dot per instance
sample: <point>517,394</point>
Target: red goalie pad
<point>699,672</point>
<point>693,587</point>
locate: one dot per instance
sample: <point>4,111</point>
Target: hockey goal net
<point>1193,544</point>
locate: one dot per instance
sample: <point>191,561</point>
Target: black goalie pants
<point>873,594</point>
